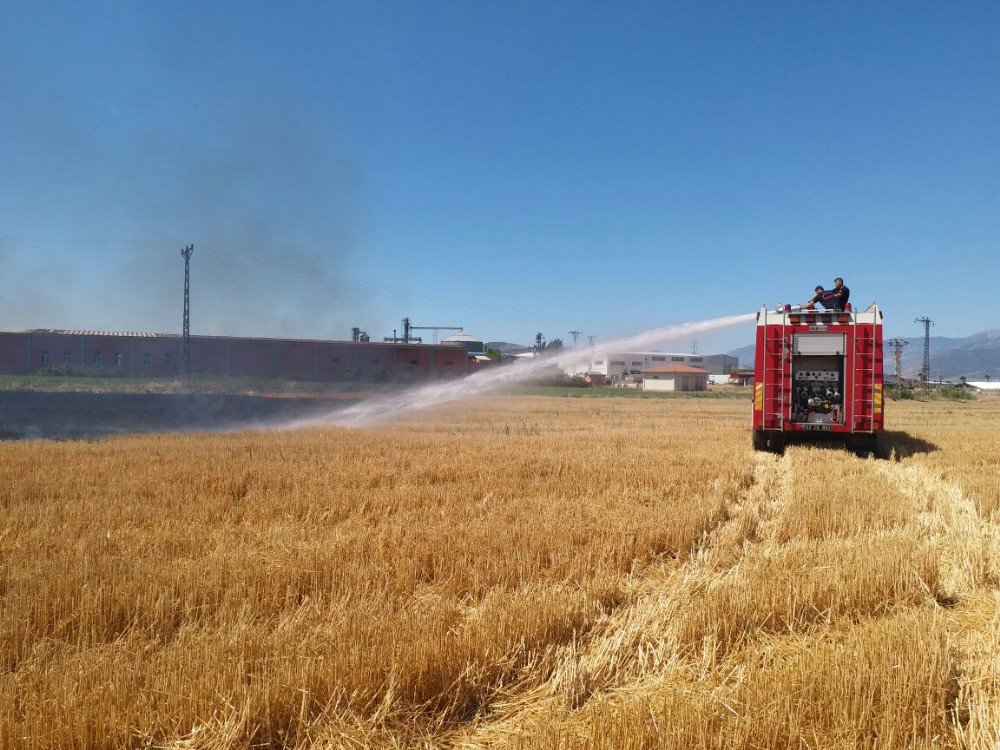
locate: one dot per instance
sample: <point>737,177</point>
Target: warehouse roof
<point>681,369</point>
<point>83,332</point>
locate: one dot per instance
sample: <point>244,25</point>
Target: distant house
<point>617,365</point>
<point>674,378</point>
<point>741,377</point>
<point>734,377</point>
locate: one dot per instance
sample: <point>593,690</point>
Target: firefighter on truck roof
<point>840,293</point>
<point>823,298</point>
<point>833,299</point>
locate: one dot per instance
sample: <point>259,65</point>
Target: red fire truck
<point>817,373</point>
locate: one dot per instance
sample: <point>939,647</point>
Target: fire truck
<point>818,373</point>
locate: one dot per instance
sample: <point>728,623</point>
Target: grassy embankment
<point>200,384</point>
<point>223,385</point>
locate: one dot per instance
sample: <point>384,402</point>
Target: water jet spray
<point>384,409</point>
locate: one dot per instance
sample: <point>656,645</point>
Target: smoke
<point>381,410</point>
<point>255,179</point>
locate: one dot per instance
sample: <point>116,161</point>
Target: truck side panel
<point>771,379</point>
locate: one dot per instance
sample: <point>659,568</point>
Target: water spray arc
<point>384,409</point>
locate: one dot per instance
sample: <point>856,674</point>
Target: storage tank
<point>467,341</point>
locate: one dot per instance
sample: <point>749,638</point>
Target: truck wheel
<point>777,443</point>
<point>866,445</point>
<point>759,440</point>
<point>772,442</point>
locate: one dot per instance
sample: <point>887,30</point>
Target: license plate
<point>820,427</point>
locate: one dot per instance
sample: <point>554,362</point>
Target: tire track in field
<point>969,550</point>
<point>635,643</point>
<point>632,647</point>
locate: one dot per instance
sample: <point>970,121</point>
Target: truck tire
<point>865,445</point>
<point>772,442</point>
<point>776,443</point>
<point>759,440</point>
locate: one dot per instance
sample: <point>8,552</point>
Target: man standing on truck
<point>840,293</point>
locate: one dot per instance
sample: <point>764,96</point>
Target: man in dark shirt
<point>841,294</point>
<point>822,297</point>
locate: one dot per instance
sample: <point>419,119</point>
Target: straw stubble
<point>537,572</point>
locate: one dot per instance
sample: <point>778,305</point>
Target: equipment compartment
<point>818,388</point>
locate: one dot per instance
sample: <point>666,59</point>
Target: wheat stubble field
<point>528,573</point>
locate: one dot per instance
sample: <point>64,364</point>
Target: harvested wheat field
<point>528,573</point>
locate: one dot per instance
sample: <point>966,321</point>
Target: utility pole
<point>897,355</point>
<point>694,347</point>
<point>591,339</point>
<point>186,342</point>
<point>925,368</point>
<point>575,335</point>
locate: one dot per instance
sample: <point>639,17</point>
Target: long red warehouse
<point>159,355</point>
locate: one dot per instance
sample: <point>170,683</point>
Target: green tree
<point>554,344</point>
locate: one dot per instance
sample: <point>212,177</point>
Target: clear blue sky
<point>507,167</point>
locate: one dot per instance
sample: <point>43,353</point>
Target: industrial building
<point>674,377</point>
<point>130,354</point>
<point>616,365</point>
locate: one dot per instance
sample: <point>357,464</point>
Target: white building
<point>984,386</point>
<point>616,365</point>
<point>674,378</point>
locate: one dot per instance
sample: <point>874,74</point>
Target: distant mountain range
<point>974,356</point>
